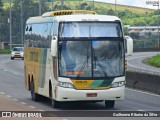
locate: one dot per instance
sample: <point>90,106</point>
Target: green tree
<point>30,9</point>
<point>1,6</point>
<point>110,12</point>
<point>121,14</point>
<point>139,22</point>
<point>83,6</point>
<point>88,7</point>
<point>1,9</point>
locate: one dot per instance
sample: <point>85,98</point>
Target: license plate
<point>91,94</point>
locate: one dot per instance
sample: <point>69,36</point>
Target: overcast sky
<point>137,3</point>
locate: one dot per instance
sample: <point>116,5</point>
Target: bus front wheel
<point>54,103</point>
<point>109,103</point>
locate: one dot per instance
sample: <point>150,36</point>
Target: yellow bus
<point>75,55</point>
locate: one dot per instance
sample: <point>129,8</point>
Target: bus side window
<point>30,29</point>
<point>55,29</point>
<point>26,27</point>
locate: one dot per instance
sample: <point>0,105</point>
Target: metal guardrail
<point>146,49</point>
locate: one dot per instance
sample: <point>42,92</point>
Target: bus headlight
<point>65,84</point>
<point>118,84</point>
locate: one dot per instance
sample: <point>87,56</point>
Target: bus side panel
<point>31,62</point>
<point>42,68</point>
<point>42,81</point>
<point>38,63</point>
<point>47,75</point>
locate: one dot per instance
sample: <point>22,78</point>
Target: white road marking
<point>11,72</point>
<point>2,93</point>
<point>140,68</point>
<point>32,107</point>
<point>8,96</point>
<point>143,92</point>
<point>140,110</point>
<point>23,103</point>
<point>41,110</point>
<point>15,73</point>
<point>139,57</point>
<point>15,100</point>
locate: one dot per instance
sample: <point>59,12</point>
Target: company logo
<point>81,82</point>
<point>6,114</point>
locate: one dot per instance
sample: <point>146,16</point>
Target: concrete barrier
<point>146,49</point>
<point>143,81</point>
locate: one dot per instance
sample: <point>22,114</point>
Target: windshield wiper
<point>84,63</point>
<point>83,66</point>
<point>95,59</point>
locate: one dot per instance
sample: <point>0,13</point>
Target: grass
<point>154,61</point>
<point>5,51</point>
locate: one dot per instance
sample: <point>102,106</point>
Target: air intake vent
<point>67,12</point>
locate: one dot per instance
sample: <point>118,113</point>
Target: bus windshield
<point>90,29</point>
<point>91,55</point>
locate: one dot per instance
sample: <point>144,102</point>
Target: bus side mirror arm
<point>54,46</point>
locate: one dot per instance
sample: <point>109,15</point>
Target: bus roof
<point>77,15</point>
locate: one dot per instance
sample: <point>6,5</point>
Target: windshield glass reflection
<point>91,59</point>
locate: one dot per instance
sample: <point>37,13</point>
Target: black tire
<point>22,58</point>
<point>12,58</point>
<point>109,103</point>
<point>54,103</point>
<point>34,96</point>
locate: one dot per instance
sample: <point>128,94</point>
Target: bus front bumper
<point>67,94</point>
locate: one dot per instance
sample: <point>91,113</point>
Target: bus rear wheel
<point>34,96</point>
<point>109,103</point>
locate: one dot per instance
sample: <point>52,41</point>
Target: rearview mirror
<point>54,46</point>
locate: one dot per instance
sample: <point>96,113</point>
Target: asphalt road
<point>12,86</point>
<point>135,61</point>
